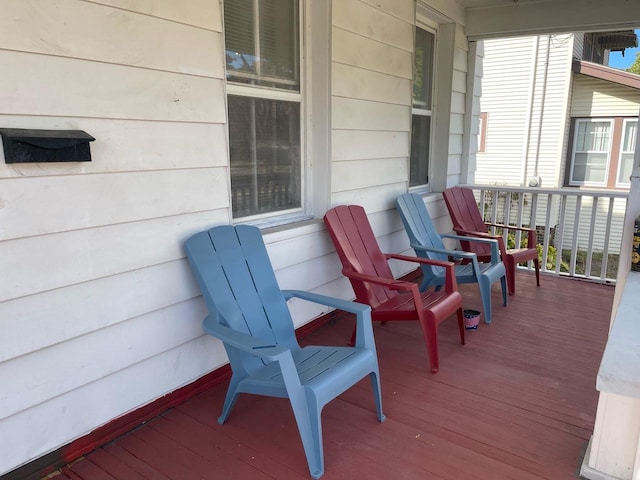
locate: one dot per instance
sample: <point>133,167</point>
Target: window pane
<point>590,167</point>
<point>627,151</point>
<point>625,168</point>
<point>263,52</point>
<point>423,69</point>
<point>629,139</point>
<point>239,36</point>
<point>278,39</point>
<point>264,147</point>
<point>593,137</point>
<point>420,138</point>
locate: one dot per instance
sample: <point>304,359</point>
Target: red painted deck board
<point>517,402</point>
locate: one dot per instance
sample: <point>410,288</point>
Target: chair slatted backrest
<point>465,215</point>
<point>239,287</point>
<point>419,225</point>
<point>359,252</point>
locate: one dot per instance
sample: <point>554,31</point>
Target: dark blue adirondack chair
<point>427,243</point>
<point>248,312</point>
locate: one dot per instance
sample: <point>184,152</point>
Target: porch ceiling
<point>499,18</point>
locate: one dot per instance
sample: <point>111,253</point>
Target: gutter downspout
<point>527,126</point>
<point>543,96</point>
<point>543,100</point>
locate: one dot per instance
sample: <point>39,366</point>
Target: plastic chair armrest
<point>451,253</point>
<point>495,257</point>
<point>364,329</point>
<point>450,285</point>
<point>531,233</point>
<point>428,261</point>
<point>244,341</point>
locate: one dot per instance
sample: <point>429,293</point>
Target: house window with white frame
<point>262,46</point>
<point>422,111</point>
<point>602,152</point>
<point>627,151</point>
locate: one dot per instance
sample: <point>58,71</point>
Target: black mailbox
<point>32,146</point>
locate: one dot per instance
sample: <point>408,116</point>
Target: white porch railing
<point>579,231</point>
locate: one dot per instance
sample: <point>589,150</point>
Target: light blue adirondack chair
<point>249,313</point>
<point>427,243</point>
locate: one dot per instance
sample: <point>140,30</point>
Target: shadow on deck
<point>517,402</point>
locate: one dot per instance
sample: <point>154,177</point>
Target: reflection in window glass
<point>263,52</point>
<point>423,69</point>
<point>420,137</point>
<point>591,152</point>
<point>627,151</point>
<point>422,107</point>
<point>264,149</point>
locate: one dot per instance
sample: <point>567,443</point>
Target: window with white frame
<point>627,151</point>
<point>591,152</point>
<point>602,152</point>
<point>422,111</point>
<point>262,46</point>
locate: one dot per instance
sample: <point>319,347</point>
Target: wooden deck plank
<point>114,466</point>
<point>517,402</point>
<point>87,470</point>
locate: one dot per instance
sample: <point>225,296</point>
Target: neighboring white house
<point>550,118</point>
<point>99,312</point>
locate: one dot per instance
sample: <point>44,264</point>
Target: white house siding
<point>99,312</point>
<point>515,142</point>
<point>372,69</point>
<point>371,111</point>
<point>592,97</point>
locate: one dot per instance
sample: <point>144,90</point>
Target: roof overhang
<point>494,18</point>
<point>609,74</point>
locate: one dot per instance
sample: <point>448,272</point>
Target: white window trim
<point>430,26</point>
<point>271,219</point>
<point>573,152</point>
<point>620,153</point>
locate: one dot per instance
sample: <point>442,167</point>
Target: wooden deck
<point>517,402</point>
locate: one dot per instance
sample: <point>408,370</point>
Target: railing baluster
<point>592,228</point>
<point>532,218</point>
<point>494,211</point>
<point>547,230</point>
<point>607,236</point>
<point>560,237</point>
<point>507,219</point>
<point>574,239</point>
<point>519,218</point>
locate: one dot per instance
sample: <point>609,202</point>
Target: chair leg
<point>461,326</point>
<point>511,274</point>
<point>230,399</point>
<point>307,414</point>
<point>485,295</point>
<point>536,262</point>
<point>503,284</point>
<point>375,386</point>
<point>430,334</point>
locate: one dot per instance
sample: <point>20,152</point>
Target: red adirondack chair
<point>467,220</point>
<point>373,283</point>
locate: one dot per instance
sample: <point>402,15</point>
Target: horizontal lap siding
<point>514,117</point>
<point>598,98</point>
<point>371,91</point>
<point>505,92</point>
<point>372,67</point>
<point>458,109</point>
<point>99,311</point>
